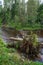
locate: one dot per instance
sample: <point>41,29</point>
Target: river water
<point>5,36</point>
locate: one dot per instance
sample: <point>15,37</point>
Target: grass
<point>20,27</point>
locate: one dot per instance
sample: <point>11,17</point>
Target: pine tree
<point>32,6</point>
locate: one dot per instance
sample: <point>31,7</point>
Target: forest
<point>22,15</point>
<point>21,32</point>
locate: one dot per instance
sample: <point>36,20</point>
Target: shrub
<point>9,59</point>
<point>5,58</point>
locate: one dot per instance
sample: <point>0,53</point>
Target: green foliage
<point>34,40</point>
<point>9,59</point>
<point>35,63</point>
<point>32,10</point>
<point>5,58</point>
<point>40,15</point>
<point>15,16</point>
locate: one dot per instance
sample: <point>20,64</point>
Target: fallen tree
<point>29,45</point>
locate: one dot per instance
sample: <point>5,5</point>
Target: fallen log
<point>16,39</point>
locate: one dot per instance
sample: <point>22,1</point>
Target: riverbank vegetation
<point>9,57</point>
<point>21,15</point>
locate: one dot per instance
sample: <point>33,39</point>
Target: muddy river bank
<point>9,32</point>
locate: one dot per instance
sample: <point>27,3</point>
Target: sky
<point>3,2</point>
<point>26,1</point>
<point>41,1</point>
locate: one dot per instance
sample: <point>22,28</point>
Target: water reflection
<point>41,51</point>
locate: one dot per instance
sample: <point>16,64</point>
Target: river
<point>5,36</point>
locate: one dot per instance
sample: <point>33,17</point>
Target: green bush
<point>8,59</point>
<point>5,58</point>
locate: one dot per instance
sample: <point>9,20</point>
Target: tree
<point>22,14</point>
<point>32,6</point>
<point>30,46</point>
<point>15,9</point>
<point>40,15</point>
<point>5,14</point>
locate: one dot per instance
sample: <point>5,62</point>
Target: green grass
<point>29,27</point>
